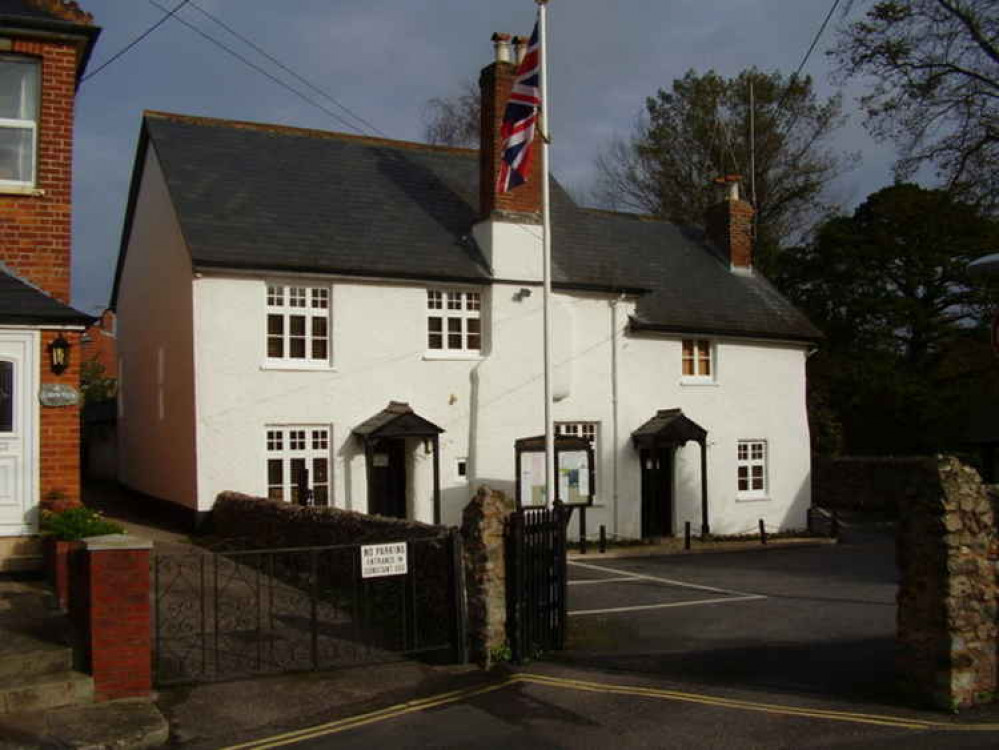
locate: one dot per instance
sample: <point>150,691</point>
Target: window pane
<point>434,325</point>
<point>434,300</point>
<point>296,348</point>
<point>688,366</point>
<point>454,341</point>
<point>275,493</point>
<point>6,396</point>
<point>454,325</point>
<point>275,296</point>
<point>472,301</point>
<point>18,89</point>
<point>474,339</point>
<point>454,300</point>
<point>319,327</point>
<point>275,471</point>
<point>275,347</point>
<point>297,470</point>
<point>17,154</point>
<point>320,496</point>
<point>296,325</point>
<point>704,367</point>
<point>320,468</point>
<point>435,341</point>
<point>688,348</point>
<point>319,349</point>
<point>275,324</point>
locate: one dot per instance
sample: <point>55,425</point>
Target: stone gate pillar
<point>947,589</point>
<point>483,523</point>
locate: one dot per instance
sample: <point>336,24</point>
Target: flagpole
<point>550,476</point>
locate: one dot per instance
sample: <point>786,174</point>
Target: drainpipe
<point>614,409</point>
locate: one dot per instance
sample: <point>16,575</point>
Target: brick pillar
<point>116,614</point>
<point>483,523</point>
<point>947,589</point>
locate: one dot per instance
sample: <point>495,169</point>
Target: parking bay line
<point>640,607</point>
<point>604,580</point>
<point>682,584</point>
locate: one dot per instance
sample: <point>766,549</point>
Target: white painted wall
<point>485,403</point>
<point>156,426</point>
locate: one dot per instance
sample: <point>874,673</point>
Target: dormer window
<point>19,94</point>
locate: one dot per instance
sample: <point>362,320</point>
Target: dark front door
<point>657,492</point>
<point>388,479</point>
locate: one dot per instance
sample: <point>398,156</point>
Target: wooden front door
<point>387,495</point>
<point>657,492</point>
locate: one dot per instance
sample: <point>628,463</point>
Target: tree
<point>700,129</point>
<point>453,121</point>
<point>906,333</point>
<point>95,383</point>
<point>933,70</point>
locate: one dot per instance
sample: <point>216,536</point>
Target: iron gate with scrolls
<point>224,615</point>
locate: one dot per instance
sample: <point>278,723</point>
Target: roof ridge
<point>302,132</point>
<point>67,10</point>
<point>627,214</point>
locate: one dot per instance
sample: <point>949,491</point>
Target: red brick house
<point>44,48</point>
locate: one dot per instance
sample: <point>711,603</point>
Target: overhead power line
<point>261,70</point>
<point>804,61</point>
<point>143,35</point>
<point>257,48</point>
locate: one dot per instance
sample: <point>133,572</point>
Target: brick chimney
<point>495,83</point>
<point>729,225</point>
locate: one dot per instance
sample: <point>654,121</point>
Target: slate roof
<point>397,420</point>
<point>24,304</point>
<point>668,426</point>
<point>271,198</point>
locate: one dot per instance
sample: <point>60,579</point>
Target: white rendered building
<point>370,311</point>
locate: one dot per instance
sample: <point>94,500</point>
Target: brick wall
<point>60,428</point>
<point>730,228</point>
<point>35,229</point>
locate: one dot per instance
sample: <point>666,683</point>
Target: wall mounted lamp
<point>59,355</point>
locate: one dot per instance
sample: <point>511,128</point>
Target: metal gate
<point>536,580</point>
<point>236,614</point>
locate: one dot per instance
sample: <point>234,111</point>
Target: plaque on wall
<point>58,394</point>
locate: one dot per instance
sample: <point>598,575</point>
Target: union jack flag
<point>520,119</point>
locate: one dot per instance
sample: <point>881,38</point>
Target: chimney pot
<point>519,48</point>
<point>501,43</point>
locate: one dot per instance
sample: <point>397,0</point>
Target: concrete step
<point>44,691</point>
<point>130,724</point>
<point>24,657</point>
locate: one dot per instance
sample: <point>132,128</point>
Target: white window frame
<point>459,463</point>
<point>292,442</point>
<point>752,453</point>
<point>699,343</point>
<point>287,300</point>
<point>13,123</point>
<point>450,314</point>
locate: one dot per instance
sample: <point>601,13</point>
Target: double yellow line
<point>455,696</point>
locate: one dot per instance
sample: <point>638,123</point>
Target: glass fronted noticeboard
<point>573,468</point>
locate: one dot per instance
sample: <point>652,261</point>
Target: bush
<point>77,523</point>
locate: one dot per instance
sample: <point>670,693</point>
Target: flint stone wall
<point>252,522</point>
<point>947,589</point>
<point>483,523</point>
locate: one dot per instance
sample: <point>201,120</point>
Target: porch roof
<point>397,420</point>
<point>668,427</point>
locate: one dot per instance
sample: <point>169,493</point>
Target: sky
<point>383,59</point>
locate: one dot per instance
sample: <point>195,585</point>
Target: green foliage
<point>700,129</point>
<point>95,384</point>
<point>77,523</point>
<point>500,654</point>
<point>906,356</point>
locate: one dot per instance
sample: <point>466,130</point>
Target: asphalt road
<point>785,648</point>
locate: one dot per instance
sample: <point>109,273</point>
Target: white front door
<point>18,431</point>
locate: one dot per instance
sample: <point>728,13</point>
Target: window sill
<point>753,499</point>
<point>297,367</point>
<point>698,383</point>
<point>455,356</point>
<point>21,190</point>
